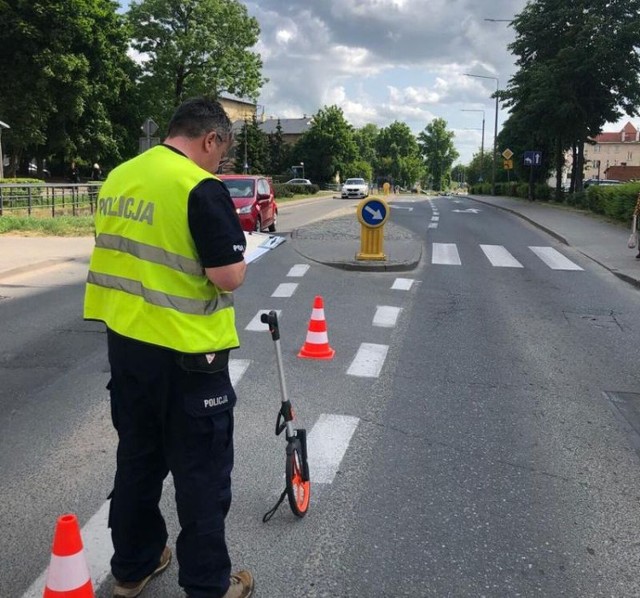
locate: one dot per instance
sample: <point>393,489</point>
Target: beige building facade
<point>620,148</point>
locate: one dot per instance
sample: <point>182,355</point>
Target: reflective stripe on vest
<point>185,306</point>
<point>149,253</point>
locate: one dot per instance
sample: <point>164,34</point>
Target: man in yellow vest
<point>169,252</point>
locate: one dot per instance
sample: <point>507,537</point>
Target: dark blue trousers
<point>157,410</point>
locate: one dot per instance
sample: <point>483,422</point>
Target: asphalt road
<point>471,448</point>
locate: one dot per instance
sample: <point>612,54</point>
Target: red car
<point>254,199</point>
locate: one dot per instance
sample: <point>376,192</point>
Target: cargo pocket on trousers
<point>208,394</point>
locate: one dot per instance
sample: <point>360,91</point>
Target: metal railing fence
<point>48,199</point>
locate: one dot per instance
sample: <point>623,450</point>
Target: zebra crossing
<point>498,256</point>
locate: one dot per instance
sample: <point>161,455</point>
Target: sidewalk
<point>335,241</point>
<point>24,254</point>
<point>592,235</point>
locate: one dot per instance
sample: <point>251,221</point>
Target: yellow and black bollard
<point>372,214</point>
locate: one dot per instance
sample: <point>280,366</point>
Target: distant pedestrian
<point>96,172</point>
<point>75,175</point>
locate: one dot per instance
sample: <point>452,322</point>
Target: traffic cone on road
<point>68,574</point>
<point>316,345</point>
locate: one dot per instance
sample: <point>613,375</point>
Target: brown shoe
<point>131,589</point>
<point>241,585</point>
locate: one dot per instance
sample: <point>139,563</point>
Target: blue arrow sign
<point>533,158</point>
<point>373,212</point>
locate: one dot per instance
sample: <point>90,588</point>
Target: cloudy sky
<point>386,60</point>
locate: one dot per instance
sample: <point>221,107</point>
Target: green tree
<point>251,149</point>
<point>477,169</point>
<point>398,154</point>
<point>194,47</point>
<point>365,139</point>
<point>358,169</point>
<point>278,151</point>
<point>62,75</point>
<point>327,147</point>
<point>579,68</point>
<point>436,144</point>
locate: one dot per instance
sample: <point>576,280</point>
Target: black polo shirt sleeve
<point>214,224</point>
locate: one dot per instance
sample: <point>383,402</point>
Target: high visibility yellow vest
<point>145,279</point>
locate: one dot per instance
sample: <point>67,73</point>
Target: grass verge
<point>63,226</point>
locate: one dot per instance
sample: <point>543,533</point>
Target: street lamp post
<point>495,130</point>
<point>2,126</point>
<point>482,141</point>
<point>246,161</point>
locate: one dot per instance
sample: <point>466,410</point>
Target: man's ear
<point>209,141</point>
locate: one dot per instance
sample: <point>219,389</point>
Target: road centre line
<point>327,444</point>
<point>386,316</point>
<point>402,284</point>
<point>500,257</point>
<point>368,360</point>
<point>298,270</point>
<point>286,289</point>
<point>435,218</point>
<point>554,259</point>
<point>256,324</point>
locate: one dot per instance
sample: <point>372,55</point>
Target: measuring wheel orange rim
<point>298,490</point>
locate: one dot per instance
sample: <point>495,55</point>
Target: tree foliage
<point>63,70</point>
<point>328,146</point>
<point>194,47</point>
<point>436,145</point>
<point>579,68</point>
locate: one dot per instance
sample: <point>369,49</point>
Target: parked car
<point>298,182</point>
<point>601,182</point>
<point>355,189</point>
<point>254,199</point>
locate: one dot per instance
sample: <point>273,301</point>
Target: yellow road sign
<point>508,164</point>
<point>507,154</point>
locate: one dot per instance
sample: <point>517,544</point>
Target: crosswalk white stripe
<point>433,225</point>
<point>386,316</point>
<point>237,368</point>
<point>286,289</point>
<point>554,259</point>
<point>368,360</point>
<point>327,444</point>
<point>435,218</point>
<point>256,324</point>
<point>298,270</point>
<point>402,284</point>
<point>446,254</point>
<point>500,257</point>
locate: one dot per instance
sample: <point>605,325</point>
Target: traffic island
<point>336,241</point>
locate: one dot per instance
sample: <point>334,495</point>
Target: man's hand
<point>227,278</point>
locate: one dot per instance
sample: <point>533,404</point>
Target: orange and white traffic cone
<point>316,345</point>
<point>68,574</point>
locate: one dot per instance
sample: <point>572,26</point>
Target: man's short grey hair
<point>198,116</point>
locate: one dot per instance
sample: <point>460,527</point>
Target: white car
<point>355,189</point>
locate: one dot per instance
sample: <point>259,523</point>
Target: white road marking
<point>237,368</point>
<point>286,289</point>
<point>256,324</point>
<point>500,257</point>
<point>327,444</point>
<point>435,218</point>
<point>445,253</point>
<point>386,316</point>
<point>402,284</point>
<point>368,360</point>
<point>433,225</point>
<point>554,259</point>
<point>298,270</point>
<point>98,549</point>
